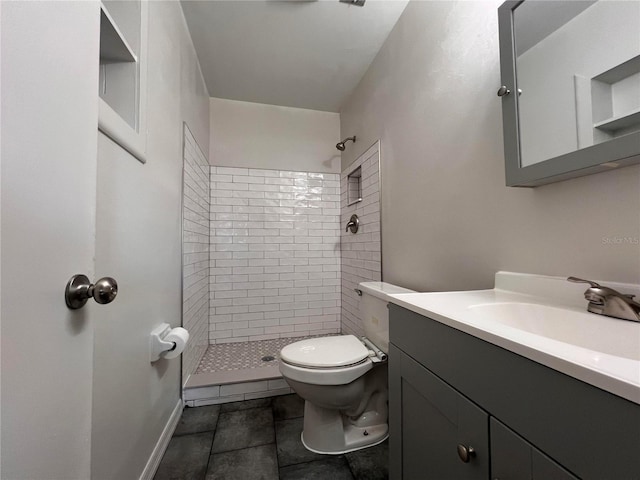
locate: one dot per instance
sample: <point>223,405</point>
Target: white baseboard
<point>158,451</point>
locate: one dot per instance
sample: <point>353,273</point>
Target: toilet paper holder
<point>157,345</point>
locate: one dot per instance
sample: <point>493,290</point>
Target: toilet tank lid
<point>382,290</point>
<point>325,352</point>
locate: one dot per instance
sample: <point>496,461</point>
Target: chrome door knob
<point>79,289</point>
<point>466,453</point>
<point>105,290</point>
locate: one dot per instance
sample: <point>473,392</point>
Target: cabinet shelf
<point>619,122</point>
<point>114,48</point>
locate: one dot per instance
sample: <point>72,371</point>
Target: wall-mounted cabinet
<point>122,81</point>
<point>570,88</point>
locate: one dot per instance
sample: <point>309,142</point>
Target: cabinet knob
<point>466,453</point>
<point>503,90</point>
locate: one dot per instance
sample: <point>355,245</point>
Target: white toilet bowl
<point>345,393</point>
<point>343,382</point>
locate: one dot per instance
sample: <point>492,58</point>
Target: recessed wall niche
<point>608,105</point>
<point>354,186</point>
<point>616,100</point>
<point>122,79</point>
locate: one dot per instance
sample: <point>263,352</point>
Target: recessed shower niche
<point>354,186</point>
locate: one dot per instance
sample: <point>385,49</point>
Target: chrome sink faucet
<point>609,302</point>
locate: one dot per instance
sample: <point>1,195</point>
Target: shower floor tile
<point>229,357</point>
<point>231,372</point>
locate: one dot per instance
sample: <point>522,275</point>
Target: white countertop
<point>599,365</point>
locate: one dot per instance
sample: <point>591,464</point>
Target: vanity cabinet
<point>512,457</point>
<point>435,420</point>
<point>450,390</point>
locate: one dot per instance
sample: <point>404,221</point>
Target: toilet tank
<point>374,311</point>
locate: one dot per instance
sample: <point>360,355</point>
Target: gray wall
<point>148,264</point>
<point>254,135</point>
<point>429,97</point>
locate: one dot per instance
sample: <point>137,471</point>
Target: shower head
<point>341,145</point>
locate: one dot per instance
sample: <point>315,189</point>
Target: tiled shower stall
<point>360,253</point>
<point>195,252</point>
<point>266,263</point>
<point>275,254</point>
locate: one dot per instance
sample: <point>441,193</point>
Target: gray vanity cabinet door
<point>513,458</point>
<point>546,469</point>
<point>435,421</point>
<point>510,454</point>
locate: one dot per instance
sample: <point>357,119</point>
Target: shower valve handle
<point>354,224</point>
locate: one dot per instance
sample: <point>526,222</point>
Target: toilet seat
<point>326,376</point>
<point>325,352</point>
<point>335,360</point>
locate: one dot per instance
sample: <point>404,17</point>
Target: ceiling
<point>305,54</point>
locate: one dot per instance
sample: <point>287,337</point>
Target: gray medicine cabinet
<point>570,88</point>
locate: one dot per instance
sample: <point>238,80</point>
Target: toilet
<point>343,379</point>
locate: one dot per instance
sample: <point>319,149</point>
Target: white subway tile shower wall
<point>275,254</point>
<point>195,241</point>
<point>361,252</point>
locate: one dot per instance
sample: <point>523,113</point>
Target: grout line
<point>349,466</point>
<point>206,470</point>
<point>213,437</point>
<point>328,457</point>
<point>243,448</point>
<point>192,433</point>
<point>275,437</point>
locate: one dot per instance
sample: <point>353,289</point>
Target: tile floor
<point>258,440</point>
